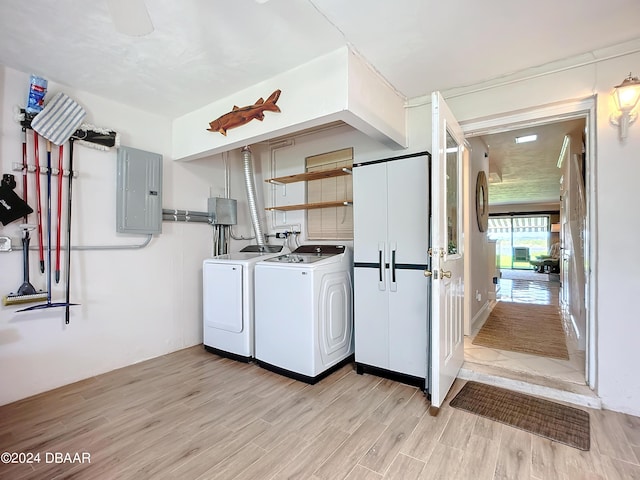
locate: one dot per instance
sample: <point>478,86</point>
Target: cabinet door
<point>407,208</point>
<point>369,211</point>
<point>371,326</point>
<point>408,324</point>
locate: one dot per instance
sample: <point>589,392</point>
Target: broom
<point>27,292</point>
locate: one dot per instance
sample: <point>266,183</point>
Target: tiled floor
<point>544,291</point>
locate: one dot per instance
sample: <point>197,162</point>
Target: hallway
<point>530,291</point>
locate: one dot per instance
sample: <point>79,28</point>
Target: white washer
<point>228,306</point>
<point>304,304</point>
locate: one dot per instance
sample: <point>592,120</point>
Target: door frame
<point>552,113</point>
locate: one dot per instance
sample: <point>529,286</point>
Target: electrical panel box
<point>139,191</point>
<point>223,211</point>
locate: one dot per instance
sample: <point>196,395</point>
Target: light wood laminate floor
<point>194,415</point>
<point>538,292</point>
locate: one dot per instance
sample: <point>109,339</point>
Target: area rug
<point>551,420</point>
<point>524,328</point>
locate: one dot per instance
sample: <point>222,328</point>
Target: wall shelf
<point>305,177</point>
<point>309,206</point>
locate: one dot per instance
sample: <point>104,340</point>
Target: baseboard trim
<point>478,320</point>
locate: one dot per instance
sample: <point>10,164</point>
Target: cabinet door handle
<point>382,284</point>
<point>393,266</point>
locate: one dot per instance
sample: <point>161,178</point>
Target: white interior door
<point>447,342</point>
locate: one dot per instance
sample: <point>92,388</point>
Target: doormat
<point>551,420</point>
<point>524,328</point>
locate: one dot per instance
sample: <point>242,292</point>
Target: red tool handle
<point>36,151</point>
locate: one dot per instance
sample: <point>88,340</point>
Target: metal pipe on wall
<point>168,211</point>
<point>184,218</point>
<point>135,246</point>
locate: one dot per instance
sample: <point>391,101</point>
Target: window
<point>453,240</point>
<point>330,223</point>
<point>520,238</point>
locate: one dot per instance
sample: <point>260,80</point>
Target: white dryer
<point>303,308</point>
<point>228,303</point>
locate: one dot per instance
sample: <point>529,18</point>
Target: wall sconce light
<point>555,228</point>
<point>626,96</point>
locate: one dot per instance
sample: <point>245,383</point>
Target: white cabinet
<point>390,256</point>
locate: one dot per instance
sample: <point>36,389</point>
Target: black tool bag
<point>12,207</point>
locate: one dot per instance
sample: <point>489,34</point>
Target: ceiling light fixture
<point>130,17</point>
<point>626,96</point>
<point>526,138</point>
<point>563,150</point>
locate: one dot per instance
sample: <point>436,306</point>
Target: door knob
<point>446,274</point>
<point>428,273</point>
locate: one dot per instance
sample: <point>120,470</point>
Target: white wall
<point>616,170</point>
<point>134,304</point>
<point>477,278</point>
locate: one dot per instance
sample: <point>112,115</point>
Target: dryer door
<point>222,287</point>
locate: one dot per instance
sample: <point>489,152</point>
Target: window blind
<point>332,223</point>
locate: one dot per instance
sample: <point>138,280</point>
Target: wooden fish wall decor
<point>242,115</point>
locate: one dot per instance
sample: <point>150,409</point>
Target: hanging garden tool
<point>59,211</point>
<point>25,168</point>
<point>36,154</point>
<point>68,289</point>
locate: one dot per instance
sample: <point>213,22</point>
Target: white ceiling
<point>529,172</point>
<point>203,50</point>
